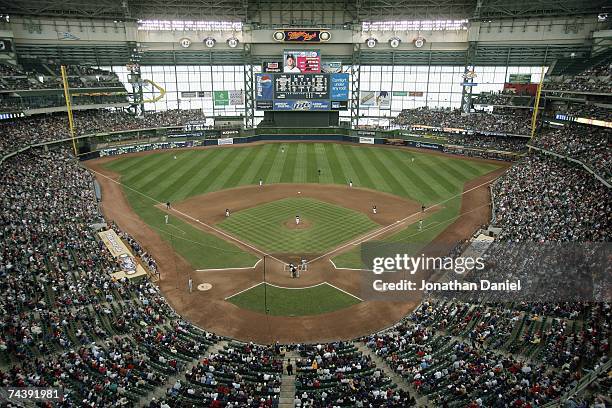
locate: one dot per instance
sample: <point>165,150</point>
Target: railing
<point>585,166</point>
<point>582,384</point>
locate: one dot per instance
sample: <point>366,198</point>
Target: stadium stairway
<point>287,393</point>
<point>160,391</point>
<point>401,382</point>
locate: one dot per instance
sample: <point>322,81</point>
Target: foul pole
<point>69,109</point>
<point>534,117</point>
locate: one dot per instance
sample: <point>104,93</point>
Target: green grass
<point>293,302</point>
<point>264,226</point>
<point>420,176</point>
<point>201,250</point>
<point>432,226</point>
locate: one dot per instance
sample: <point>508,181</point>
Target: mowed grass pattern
<point>330,225</point>
<point>421,176</point>
<point>293,302</point>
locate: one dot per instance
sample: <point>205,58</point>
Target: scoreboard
<point>278,91</point>
<point>301,86</point>
<point>297,83</point>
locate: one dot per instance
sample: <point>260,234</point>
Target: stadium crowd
<point>581,110</point>
<point>14,77</point>
<point>337,374</point>
<point>544,199</point>
<point>589,144</point>
<point>19,132</point>
<point>595,79</point>
<point>494,354</point>
<point>517,123</point>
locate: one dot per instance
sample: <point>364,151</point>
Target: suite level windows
<point>181,25</point>
<point>414,25</point>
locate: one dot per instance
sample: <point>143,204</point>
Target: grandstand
<point>305,204</point>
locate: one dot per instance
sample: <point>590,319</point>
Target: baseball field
<point>265,186</point>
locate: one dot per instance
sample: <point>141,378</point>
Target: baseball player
<point>260,182</point>
<point>423,207</point>
<point>167,205</point>
<point>227,212</point>
<point>374,210</point>
<point>166,218</point>
<point>297,220</point>
<point>420,225</point>
<point>350,183</point>
<point>190,284</point>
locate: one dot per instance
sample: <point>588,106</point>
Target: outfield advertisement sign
<point>304,105</point>
<point>339,89</point>
<point>225,141</point>
<point>230,132</point>
<point>366,140</point>
<point>421,145</point>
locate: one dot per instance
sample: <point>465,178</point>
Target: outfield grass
<point>264,225</point>
<point>201,250</point>
<point>420,176</point>
<point>319,299</point>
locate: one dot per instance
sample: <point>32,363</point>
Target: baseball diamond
<point>260,236</point>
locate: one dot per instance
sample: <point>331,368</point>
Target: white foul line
<point>218,231</point>
<point>285,287</point>
<point>228,269</point>
<point>380,231</point>
<point>242,291</point>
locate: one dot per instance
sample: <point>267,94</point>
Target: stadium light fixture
<point>232,42</point>
<point>210,42</point>
<point>371,42</point>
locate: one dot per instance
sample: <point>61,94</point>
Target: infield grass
<point>315,300</point>
<point>420,176</point>
<point>264,225</point>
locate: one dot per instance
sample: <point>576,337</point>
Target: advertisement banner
<point>264,105</point>
<point>127,264</point>
<point>230,132</point>
<point>302,36</point>
<point>189,94</point>
<point>381,99</point>
<point>366,140</point>
<point>236,97</point>
<point>204,94</point>
<point>264,87</point>
<point>418,94</point>
<point>366,133</point>
<point>302,61</point>
<point>421,145</point>
<point>272,66</point>
<point>519,78</point>
<point>339,88</point>
<point>301,105</point>
<point>225,141</point>
<point>339,105</point>
<point>221,98</point>
<point>400,93</point>
<point>331,67</point>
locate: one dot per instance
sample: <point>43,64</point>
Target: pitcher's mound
<point>304,224</point>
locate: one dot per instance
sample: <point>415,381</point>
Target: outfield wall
<point>92,146</point>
